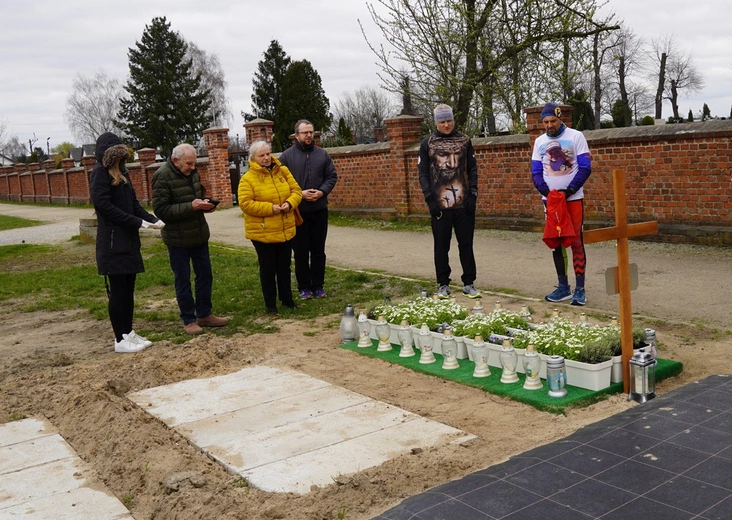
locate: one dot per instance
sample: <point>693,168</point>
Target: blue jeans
<point>181,259</point>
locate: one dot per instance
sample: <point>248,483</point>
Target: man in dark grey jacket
<point>178,200</point>
<point>314,171</point>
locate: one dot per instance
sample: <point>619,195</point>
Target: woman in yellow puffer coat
<point>268,194</point>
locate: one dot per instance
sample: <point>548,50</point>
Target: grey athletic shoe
<point>470,291</point>
<point>443,292</point>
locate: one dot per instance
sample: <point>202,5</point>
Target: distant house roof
<point>76,154</point>
<point>5,160</point>
<point>89,149</point>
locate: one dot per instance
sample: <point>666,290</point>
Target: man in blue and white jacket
<point>561,161</point>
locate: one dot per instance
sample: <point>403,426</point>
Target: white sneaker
<point>126,346</point>
<point>136,338</point>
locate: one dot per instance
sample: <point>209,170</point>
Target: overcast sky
<point>45,43</point>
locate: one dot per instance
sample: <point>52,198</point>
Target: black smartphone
<point>214,202</point>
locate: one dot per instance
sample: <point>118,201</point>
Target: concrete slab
<point>285,431</point>
<point>42,477</point>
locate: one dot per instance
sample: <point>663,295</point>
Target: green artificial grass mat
<point>539,399</point>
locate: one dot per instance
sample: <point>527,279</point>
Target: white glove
<point>153,225</point>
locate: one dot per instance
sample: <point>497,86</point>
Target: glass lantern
<point>480,357</point>
<point>651,343</point>
<point>583,320</point>
<point>349,325</point>
<point>498,306</point>
<point>532,366</point>
<point>364,331</point>
<point>477,308</point>
<point>449,351</point>
<point>525,314</point>
<point>383,331</point>
<point>509,359</point>
<point>556,314</point>
<point>424,342</point>
<point>556,376</point>
<point>642,377</point>
<point>614,321</point>
<point>405,339</point>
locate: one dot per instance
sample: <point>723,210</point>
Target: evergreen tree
<point>166,104</point>
<point>344,133</point>
<point>690,119</point>
<point>706,113</point>
<point>267,82</point>
<point>302,97</point>
<point>618,113</point>
<point>583,116</point>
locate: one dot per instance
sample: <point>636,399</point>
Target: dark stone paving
<point>670,458</point>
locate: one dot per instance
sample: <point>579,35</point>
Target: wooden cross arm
<point>614,233</point>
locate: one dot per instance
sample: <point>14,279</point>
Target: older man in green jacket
<point>178,200</point>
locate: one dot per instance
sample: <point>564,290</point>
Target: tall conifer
<point>166,105</point>
<point>302,97</point>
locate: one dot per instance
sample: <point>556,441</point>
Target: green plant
<point>497,322</point>
<point>17,416</point>
<point>342,512</point>
<point>241,483</point>
<point>421,310</point>
<point>647,121</point>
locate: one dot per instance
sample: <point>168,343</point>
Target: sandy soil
<point>61,366</point>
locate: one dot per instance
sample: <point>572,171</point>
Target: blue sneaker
<point>579,298</point>
<point>306,294</point>
<point>560,294</point>
<point>320,293</point>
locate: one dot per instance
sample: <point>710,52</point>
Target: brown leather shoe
<point>192,328</point>
<point>212,321</point>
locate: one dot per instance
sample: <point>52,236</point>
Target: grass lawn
<point>42,277</point>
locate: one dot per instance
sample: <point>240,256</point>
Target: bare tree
<point>92,107</point>
<point>682,75</point>
<point>363,111</point>
<point>441,41</point>
<point>660,49</point>
<point>627,58</point>
<point>213,80</point>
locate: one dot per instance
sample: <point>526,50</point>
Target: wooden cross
<point>621,232</point>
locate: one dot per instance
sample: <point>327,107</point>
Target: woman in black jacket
<point>119,218</point>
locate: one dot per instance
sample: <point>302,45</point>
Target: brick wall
<point>679,175</point>
<point>70,184</point>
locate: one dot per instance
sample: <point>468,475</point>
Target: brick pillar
<point>403,131</point>
<point>5,173</point>
<point>259,129</point>
<point>66,165</point>
<point>146,157</point>
<point>47,166</point>
<point>218,178</point>
<point>533,120</point>
<point>379,134</point>
<point>19,169</point>
<point>88,162</point>
<point>32,168</point>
